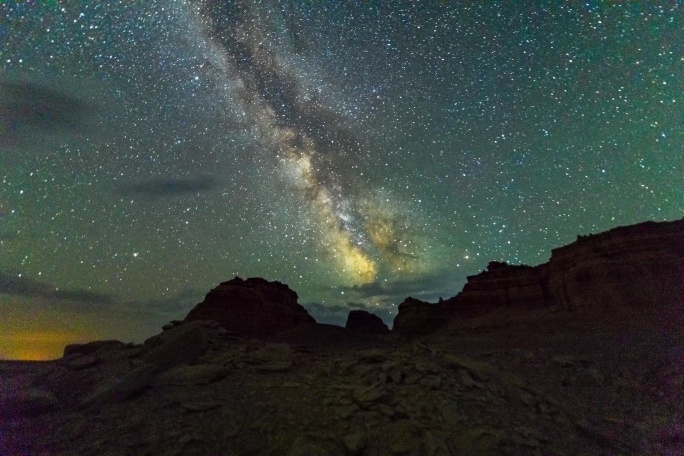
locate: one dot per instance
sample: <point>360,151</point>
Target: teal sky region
<point>360,152</point>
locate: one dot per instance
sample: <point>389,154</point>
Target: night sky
<point>359,151</point>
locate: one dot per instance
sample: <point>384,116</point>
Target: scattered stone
<point>275,366</point>
<point>366,395</point>
<point>563,361</point>
<point>395,375</point>
<point>27,402</point>
<point>371,356</point>
<point>193,375</point>
<point>200,406</point>
<point>466,379</point>
<point>434,446</point>
<point>355,442</point>
<point>345,411</point>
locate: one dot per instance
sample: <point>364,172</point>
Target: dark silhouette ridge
<point>365,322</point>
<point>638,265</point>
<point>264,378</point>
<point>252,308</point>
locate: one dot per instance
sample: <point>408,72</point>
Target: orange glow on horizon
<point>37,345</point>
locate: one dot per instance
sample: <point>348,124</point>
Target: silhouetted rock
<point>252,308</point>
<point>365,322</point>
<point>417,317</point>
<point>91,347</point>
<point>638,265</point>
<point>530,387</point>
<point>501,285</point>
<point>181,345</point>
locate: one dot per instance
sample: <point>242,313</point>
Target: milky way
<point>315,147</point>
<point>358,151</point>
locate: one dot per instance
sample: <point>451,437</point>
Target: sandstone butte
<point>252,308</point>
<point>630,266</point>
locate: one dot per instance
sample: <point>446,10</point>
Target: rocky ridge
<point>600,379</point>
<point>365,322</point>
<point>638,265</point>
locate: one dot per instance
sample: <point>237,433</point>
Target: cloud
<point>180,302</point>
<point>382,298</point>
<point>426,287</point>
<point>43,106</point>
<point>169,186</point>
<point>73,299</point>
<point>8,236</point>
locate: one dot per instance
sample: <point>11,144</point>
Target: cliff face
<point>252,308</point>
<point>501,285</point>
<point>638,265</point>
<point>416,317</point>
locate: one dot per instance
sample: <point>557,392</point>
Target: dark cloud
<point>428,287</point>
<point>383,298</point>
<point>182,301</point>
<point>44,106</point>
<point>83,296</point>
<point>21,285</point>
<point>8,236</point>
<point>169,186</point>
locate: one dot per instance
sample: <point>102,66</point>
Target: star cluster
<point>360,152</point>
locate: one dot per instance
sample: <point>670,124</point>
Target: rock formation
<point>365,322</point>
<point>416,317</point>
<point>252,308</point>
<point>589,383</point>
<point>638,265</point>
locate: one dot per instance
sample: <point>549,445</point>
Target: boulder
<point>365,322</point>
<point>254,308</point>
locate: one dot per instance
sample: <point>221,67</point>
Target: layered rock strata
<point>638,265</point>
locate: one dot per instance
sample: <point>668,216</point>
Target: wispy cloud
<point>169,186</point>
<point>428,287</point>
<point>42,105</point>
<point>20,284</point>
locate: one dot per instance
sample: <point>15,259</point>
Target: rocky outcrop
<point>416,317</point>
<point>365,322</point>
<point>501,285</point>
<point>91,347</point>
<point>638,265</point>
<point>252,308</point>
<point>176,347</point>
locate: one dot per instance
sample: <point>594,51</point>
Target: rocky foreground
<point>510,379</point>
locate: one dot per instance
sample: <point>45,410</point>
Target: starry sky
<point>360,152</point>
